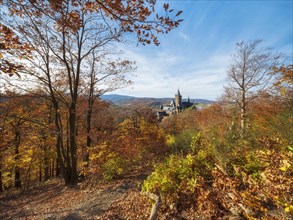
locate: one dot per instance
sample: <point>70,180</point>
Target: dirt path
<point>53,201</point>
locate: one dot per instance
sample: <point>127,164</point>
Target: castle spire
<point>178,93</point>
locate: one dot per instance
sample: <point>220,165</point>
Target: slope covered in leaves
<point>54,201</point>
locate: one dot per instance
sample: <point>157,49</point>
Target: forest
<point>60,141</point>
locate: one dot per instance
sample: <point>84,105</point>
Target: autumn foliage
<point>219,174</point>
<point>54,124</point>
<point>197,161</point>
<point>12,50</point>
<point>68,40</point>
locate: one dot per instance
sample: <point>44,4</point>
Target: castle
<point>175,107</point>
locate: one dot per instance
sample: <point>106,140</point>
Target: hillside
<point>128,100</point>
<point>54,201</point>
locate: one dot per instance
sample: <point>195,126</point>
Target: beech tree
<point>284,79</point>
<point>12,49</point>
<point>3,140</point>
<point>63,34</point>
<point>249,73</point>
<point>105,76</point>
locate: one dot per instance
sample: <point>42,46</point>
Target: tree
<point>284,79</point>
<point>27,137</point>
<point>249,73</point>
<point>12,50</point>
<point>102,77</point>
<point>3,141</point>
<point>14,113</point>
<point>63,33</point>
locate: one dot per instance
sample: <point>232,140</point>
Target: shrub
<point>175,179</point>
<point>113,168</point>
<point>183,141</point>
<point>253,167</point>
<point>170,177</point>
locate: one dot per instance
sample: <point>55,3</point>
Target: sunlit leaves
<point>27,138</point>
<point>284,79</point>
<point>11,50</point>
<point>136,16</point>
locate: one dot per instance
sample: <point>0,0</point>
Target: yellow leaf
<point>286,165</point>
<point>289,209</point>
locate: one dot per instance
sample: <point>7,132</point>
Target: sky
<point>195,56</point>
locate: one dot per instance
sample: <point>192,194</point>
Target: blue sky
<point>194,57</point>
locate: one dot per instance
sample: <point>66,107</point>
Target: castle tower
<point>178,102</point>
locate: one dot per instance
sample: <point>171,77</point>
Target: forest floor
<point>120,199</point>
<point>116,200</point>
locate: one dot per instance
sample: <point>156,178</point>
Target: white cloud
<point>184,36</point>
<point>195,57</point>
<point>160,75</point>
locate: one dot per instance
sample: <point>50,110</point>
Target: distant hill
<point>152,102</point>
<point>117,98</point>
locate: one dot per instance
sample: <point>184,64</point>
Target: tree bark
<point>57,169</point>
<point>17,180</point>
<point>243,113</point>
<point>88,130</point>
<point>61,157</point>
<point>73,144</point>
<point>40,172</point>
<point>46,164</point>
<point>1,183</point>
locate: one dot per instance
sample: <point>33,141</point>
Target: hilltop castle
<point>175,107</point>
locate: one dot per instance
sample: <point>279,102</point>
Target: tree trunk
<point>57,170</point>
<point>88,136</point>
<point>90,103</point>
<point>1,141</point>
<point>46,164</point>
<point>40,172</point>
<point>52,168</point>
<point>243,114</point>
<point>73,144</point>
<point>1,183</point>
<point>243,118</point>
<point>46,173</point>
<point>62,168</point>
<point>17,180</point>
<point>62,161</point>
